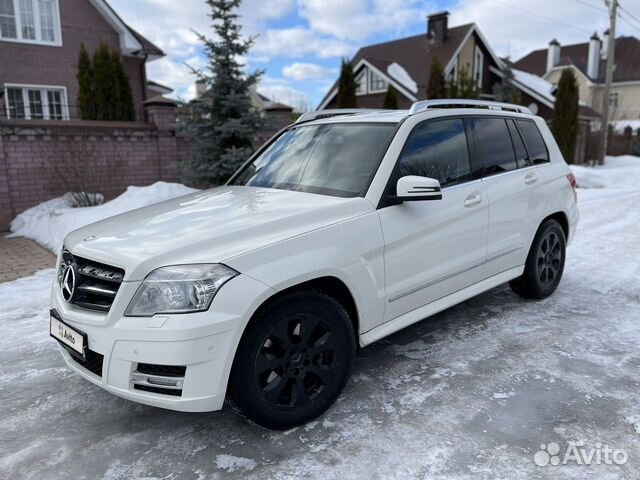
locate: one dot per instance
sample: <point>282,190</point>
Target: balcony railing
<point>66,112</point>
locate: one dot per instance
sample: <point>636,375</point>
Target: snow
<point>620,125</point>
<point>470,393</point>
<point>621,172</point>
<point>535,83</point>
<point>398,73</point>
<point>49,222</point>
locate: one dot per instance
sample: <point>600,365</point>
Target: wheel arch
<point>561,218</point>
<point>330,285</point>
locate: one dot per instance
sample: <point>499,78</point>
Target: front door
<point>435,247</point>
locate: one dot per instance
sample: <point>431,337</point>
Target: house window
<point>30,21</point>
<point>35,102</point>
<point>377,83</point>
<point>361,83</point>
<point>453,73</point>
<point>478,66</point>
<point>613,99</point>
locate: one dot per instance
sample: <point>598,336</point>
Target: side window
<point>437,149</point>
<point>538,152</point>
<point>518,145</point>
<point>493,143</point>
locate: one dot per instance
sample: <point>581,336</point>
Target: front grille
<point>96,284</point>
<point>93,361</point>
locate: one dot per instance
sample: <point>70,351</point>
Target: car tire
<point>293,360</point>
<point>545,263</point>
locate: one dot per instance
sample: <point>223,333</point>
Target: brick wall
<point>42,160</point>
<point>26,64</point>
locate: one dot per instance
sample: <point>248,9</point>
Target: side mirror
<point>413,187</point>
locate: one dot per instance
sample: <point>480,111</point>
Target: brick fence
<point>40,160</point>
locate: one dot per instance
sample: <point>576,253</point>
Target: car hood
<point>206,227</point>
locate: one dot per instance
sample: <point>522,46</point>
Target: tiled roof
<point>627,55</point>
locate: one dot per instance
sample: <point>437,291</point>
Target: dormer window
<point>30,21</point>
<point>361,83</point>
<point>377,83</point>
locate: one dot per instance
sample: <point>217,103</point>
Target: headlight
<point>179,289</point>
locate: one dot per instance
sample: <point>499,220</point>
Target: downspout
<point>143,72</point>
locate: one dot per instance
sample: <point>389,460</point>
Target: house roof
<point>414,54</point>
<point>131,42</point>
<point>627,53</point>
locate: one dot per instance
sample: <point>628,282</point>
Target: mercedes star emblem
<point>68,283</point>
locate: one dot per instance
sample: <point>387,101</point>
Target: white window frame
<point>478,66</point>
<point>57,30</point>
<point>370,77</point>
<point>46,114</point>
<point>614,100</point>
<point>453,73</point>
<point>362,76</point>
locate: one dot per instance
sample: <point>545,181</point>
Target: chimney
<point>553,54</point>
<point>605,44</point>
<point>438,27</point>
<point>593,60</point>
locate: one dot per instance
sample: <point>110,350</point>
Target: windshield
<point>330,159</point>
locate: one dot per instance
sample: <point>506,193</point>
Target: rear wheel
<point>545,263</point>
<point>294,360</point>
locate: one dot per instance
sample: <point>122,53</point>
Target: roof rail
<point>336,112</point>
<point>465,103</point>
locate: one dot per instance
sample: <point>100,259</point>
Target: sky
<point>299,43</point>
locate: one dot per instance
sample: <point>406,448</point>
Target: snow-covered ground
<point>470,393</point>
<point>49,222</point>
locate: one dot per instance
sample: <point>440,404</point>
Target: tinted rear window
<point>518,145</point>
<point>533,139</point>
<point>495,150</point>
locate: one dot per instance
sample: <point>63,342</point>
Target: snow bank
<point>402,77</point>
<point>51,221</point>
<point>621,172</point>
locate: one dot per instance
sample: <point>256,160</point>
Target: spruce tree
<point>224,124</point>
<point>437,86</point>
<point>564,123</point>
<point>86,104</point>
<point>346,86</point>
<point>390,99</point>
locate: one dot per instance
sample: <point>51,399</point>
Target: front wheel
<point>294,360</point>
<point>545,263</point>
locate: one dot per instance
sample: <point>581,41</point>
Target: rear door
<point>515,190</point>
<point>435,247</point>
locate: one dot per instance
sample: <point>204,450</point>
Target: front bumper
<point>204,343</point>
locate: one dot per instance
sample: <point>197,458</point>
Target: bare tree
<point>85,167</point>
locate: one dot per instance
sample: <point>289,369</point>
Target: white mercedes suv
<point>344,228</point>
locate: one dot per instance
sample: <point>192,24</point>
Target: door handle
<point>530,178</point>
<point>473,199</point>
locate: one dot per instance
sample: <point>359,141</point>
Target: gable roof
<point>415,55</point>
<point>627,53</point>
<point>131,42</point>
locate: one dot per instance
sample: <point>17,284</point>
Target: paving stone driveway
<point>20,257</point>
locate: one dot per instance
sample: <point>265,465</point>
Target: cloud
<point>358,20</point>
<point>518,26</point>
<point>308,71</point>
<point>297,42</point>
<point>282,93</point>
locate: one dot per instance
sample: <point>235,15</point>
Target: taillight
<point>572,181</point>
